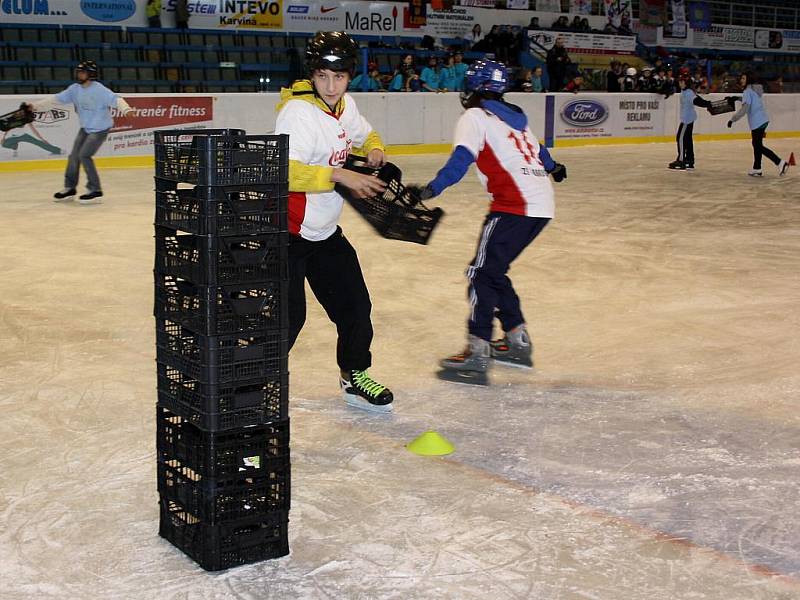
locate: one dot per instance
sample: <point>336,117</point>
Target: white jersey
<point>319,138</point>
<point>508,164</point>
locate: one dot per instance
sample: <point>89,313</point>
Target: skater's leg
<point>518,233</point>
<point>72,173</point>
<point>515,348</point>
<point>335,277</point>
<point>688,146</point>
<point>88,149</point>
<point>757,138</point>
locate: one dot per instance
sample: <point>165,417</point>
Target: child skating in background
<point>688,99</point>
<point>93,103</point>
<point>758,119</point>
<point>514,168</point>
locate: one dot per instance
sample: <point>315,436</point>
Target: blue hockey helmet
<point>487,76</point>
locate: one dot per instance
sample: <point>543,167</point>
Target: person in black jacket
<point>557,62</point>
<point>613,75</point>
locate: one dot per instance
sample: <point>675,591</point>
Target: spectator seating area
<point>41,58</point>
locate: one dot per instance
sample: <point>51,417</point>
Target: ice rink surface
<point>653,453</point>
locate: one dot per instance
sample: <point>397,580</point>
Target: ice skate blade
<point>513,365</point>
<point>359,402</point>
<point>465,377</point>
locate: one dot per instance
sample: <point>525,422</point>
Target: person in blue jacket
<point>689,99</point>
<point>460,71</point>
<point>430,78</point>
<point>373,81</point>
<point>93,103</point>
<point>758,120</point>
<point>447,76</point>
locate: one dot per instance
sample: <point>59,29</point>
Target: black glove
<point>732,99</point>
<point>730,124</point>
<point>559,172</point>
<point>420,192</point>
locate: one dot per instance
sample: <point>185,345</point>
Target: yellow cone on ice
<point>431,443</point>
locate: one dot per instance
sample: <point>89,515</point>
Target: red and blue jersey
<point>511,164</point>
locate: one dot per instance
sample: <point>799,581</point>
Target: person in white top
<point>93,103</point>
<point>514,168</point>
<point>324,126</point>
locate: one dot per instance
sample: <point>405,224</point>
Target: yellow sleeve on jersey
<point>372,142</point>
<point>309,178</point>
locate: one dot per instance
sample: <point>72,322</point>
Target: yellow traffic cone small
<point>431,443</point>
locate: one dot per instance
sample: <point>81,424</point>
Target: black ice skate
<point>469,366</point>
<point>676,165</point>
<point>361,391</point>
<point>515,349</point>
<point>65,195</point>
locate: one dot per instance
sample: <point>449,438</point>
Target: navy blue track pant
<point>490,292</point>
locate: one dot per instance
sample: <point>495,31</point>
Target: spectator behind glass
<point>505,48</point>
<point>534,24</point>
<point>460,71</point>
<point>630,81</point>
<point>373,78</point>
<point>576,24</point>
<point>613,76</point>
<point>700,81</point>
<point>430,78</point>
<point>181,14</point>
<point>523,84</point>
<point>412,83</point>
<point>585,25</point>
<point>624,26</point>
<point>668,85</point>
<point>557,62</point>
<point>537,80</point>
<point>574,85</point>
<point>153,12</point>
<point>489,41</point>
<point>447,76</point>
<point>402,73</point>
<point>560,24</point>
<point>645,80</point>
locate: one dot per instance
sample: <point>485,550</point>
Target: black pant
<point>759,149</point>
<point>490,292</point>
<point>685,144</point>
<point>334,274</point>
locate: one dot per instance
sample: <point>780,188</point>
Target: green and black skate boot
<point>361,391</point>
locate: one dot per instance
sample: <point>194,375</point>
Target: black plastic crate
<point>222,210</point>
<point>225,500</point>
<point>192,156</point>
<point>248,450</point>
<point>215,260</point>
<point>222,358</point>
<point>217,547</point>
<point>225,406</point>
<point>222,309</point>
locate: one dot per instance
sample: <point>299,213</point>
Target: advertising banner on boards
<point>607,116</point>
<point>53,132</point>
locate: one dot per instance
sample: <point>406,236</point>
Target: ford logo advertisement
<point>108,11</point>
<point>584,113</point>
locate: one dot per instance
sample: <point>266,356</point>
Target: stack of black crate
<point>221,335</point>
